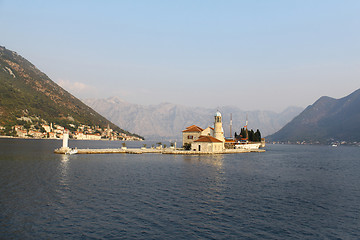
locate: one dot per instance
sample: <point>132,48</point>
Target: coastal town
<point>39,129</point>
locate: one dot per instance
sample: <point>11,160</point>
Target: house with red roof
<point>207,144</point>
<point>191,134</point>
<point>209,140</point>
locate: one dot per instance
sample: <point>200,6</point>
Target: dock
<point>65,149</point>
<point>152,150</point>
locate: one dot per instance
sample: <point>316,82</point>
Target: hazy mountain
<point>166,120</point>
<point>26,91</point>
<point>326,119</point>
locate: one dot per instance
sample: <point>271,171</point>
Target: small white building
<point>47,128</point>
<point>93,136</point>
<point>207,144</point>
<point>21,133</point>
<point>82,136</point>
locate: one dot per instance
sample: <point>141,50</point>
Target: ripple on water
<point>288,192</point>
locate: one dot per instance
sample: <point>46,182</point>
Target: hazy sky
<point>256,55</point>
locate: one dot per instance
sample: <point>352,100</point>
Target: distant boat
<point>247,146</point>
<point>335,145</point>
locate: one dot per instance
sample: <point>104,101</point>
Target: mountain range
<point>326,120</point>
<point>167,120</point>
<point>25,91</point>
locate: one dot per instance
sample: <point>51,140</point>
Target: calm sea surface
<point>288,192</point>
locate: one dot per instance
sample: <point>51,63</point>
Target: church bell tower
<point>218,129</point>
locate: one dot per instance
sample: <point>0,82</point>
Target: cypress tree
<point>251,135</point>
<point>257,136</point>
<point>243,133</point>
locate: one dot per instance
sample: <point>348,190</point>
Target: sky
<point>255,55</point>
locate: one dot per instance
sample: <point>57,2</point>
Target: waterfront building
<point>46,127</point>
<point>208,140</point>
<point>21,133</point>
<point>207,144</point>
<point>82,136</point>
<point>191,134</point>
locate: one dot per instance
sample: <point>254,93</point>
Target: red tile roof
<point>207,139</point>
<point>193,128</point>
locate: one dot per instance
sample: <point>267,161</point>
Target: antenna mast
<point>246,121</point>
<point>247,134</point>
<point>230,125</point>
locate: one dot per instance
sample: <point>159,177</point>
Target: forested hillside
<point>25,91</point>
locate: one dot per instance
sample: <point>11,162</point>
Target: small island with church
<point>196,141</point>
<point>212,140</point>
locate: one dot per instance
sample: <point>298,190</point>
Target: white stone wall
<point>208,147</point>
<point>207,132</point>
<point>195,136</point>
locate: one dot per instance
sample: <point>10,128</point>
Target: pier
<point>152,150</point>
<point>65,149</point>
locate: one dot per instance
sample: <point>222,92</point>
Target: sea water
<point>288,192</point>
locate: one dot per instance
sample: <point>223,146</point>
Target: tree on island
<point>187,146</point>
<point>250,135</point>
<point>257,136</point>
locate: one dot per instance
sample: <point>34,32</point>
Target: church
<point>209,140</point>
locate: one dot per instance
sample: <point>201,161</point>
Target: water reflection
<point>208,171</point>
<point>215,160</point>
<point>65,158</point>
<point>63,170</point>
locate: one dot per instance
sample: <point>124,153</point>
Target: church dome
<point>218,114</point>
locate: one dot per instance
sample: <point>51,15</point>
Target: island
<point>196,141</point>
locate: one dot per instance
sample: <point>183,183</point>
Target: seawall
<point>153,150</point>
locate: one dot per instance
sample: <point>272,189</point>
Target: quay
<point>205,145</point>
<point>152,150</point>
